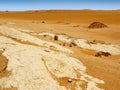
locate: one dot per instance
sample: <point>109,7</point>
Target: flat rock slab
<point>3,62</point>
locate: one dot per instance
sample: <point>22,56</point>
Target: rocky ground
<point>59,55</point>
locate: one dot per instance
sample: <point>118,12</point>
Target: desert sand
<point>31,59</point>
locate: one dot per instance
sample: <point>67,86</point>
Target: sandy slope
<point>69,23</point>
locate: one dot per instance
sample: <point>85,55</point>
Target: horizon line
<point>60,10</point>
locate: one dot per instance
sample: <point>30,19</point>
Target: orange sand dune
<point>77,16</point>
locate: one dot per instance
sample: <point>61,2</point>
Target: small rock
<point>44,35</point>
<point>73,44</point>
<point>70,80</point>
<point>101,53</point>
<point>55,37</point>
<point>63,44</point>
<point>70,45</point>
<point>43,21</point>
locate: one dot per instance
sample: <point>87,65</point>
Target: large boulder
<point>97,25</point>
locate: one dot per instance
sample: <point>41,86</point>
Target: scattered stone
<point>70,45</point>
<point>70,80</point>
<point>43,21</point>
<point>3,63</point>
<point>46,51</point>
<point>59,22</point>
<point>73,44</point>
<point>100,54</point>
<point>67,23</point>
<point>76,26</point>
<point>63,44</point>
<point>95,42</point>
<point>55,37</point>
<point>44,35</point>
<point>97,25</point>
<point>119,62</point>
<point>41,64</point>
<point>4,68</point>
<point>33,22</point>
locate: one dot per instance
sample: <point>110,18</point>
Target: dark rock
<point>55,37</point>
<point>64,44</point>
<point>97,25</point>
<point>99,54</point>
<point>70,45</point>
<point>73,44</point>
<point>43,21</point>
<point>95,42</point>
<point>70,80</point>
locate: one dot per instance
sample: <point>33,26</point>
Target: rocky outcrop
<point>97,25</point>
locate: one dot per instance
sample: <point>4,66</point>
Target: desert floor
<point>73,24</point>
